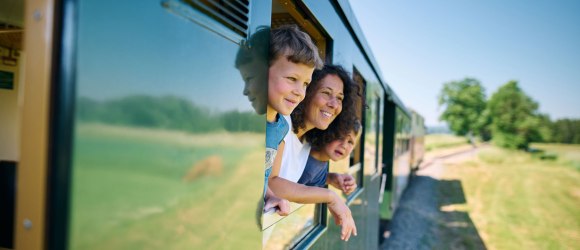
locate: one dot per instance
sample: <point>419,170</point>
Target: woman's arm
<point>299,193</point>
<point>344,182</point>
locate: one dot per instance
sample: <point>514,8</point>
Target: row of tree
<point>167,112</point>
<point>509,117</point>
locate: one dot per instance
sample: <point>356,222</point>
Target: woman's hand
<point>344,182</point>
<point>343,217</point>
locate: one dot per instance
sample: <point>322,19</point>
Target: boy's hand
<point>343,217</point>
<point>282,206</point>
<point>344,182</point>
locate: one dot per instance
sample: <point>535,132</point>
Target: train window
<point>166,144</point>
<point>377,130</point>
<point>286,232</point>
<point>356,157</point>
<point>286,12</point>
<point>228,19</point>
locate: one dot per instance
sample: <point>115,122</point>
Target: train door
<point>11,88</point>
<point>306,222</point>
<point>26,33</point>
<point>140,133</point>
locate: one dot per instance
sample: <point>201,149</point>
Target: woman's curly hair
<point>352,95</point>
<point>337,130</point>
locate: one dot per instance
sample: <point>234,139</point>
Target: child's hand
<point>282,206</point>
<point>344,182</point>
<point>343,217</point>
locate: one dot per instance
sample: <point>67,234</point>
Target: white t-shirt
<point>295,155</point>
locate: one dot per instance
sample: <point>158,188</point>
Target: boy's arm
<point>272,201</point>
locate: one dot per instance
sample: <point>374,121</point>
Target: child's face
<point>254,75</point>
<point>341,148</point>
<point>287,82</point>
<point>326,103</point>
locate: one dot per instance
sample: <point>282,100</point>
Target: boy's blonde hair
<point>296,45</point>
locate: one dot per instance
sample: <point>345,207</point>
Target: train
<point>125,126</point>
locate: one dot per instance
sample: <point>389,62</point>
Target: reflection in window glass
<point>168,151</point>
<point>291,229</point>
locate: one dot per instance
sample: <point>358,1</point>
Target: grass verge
<point>517,201</point>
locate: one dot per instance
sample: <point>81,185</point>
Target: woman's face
<point>326,103</point>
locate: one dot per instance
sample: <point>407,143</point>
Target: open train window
<point>286,12</point>
<point>305,220</point>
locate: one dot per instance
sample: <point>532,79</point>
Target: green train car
<point>125,126</point>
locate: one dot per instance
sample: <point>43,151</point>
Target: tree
<point>516,121</point>
<point>566,131</point>
<point>464,103</point>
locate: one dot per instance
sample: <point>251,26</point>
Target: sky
<point>420,45</point>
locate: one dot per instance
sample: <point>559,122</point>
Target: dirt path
<point>424,220</point>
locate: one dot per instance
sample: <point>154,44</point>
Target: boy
<point>293,58</point>
<point>331,144</point>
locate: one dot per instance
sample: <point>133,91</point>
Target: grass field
<point>517,201</point>
<point>128,190</point>
<point>440,141</point>
<point>567,154</point>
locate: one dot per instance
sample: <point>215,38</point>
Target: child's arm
<point>272,201</point>
<point>304,194</point>
<point>344,182</point>
<point>293,191</point>
<point>299,193</point>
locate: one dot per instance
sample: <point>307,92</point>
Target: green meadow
<point>519,201</point>
<point>130,190</point>
<point>567,154</point>
<point>441,141</point>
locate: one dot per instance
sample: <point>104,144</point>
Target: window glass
<point>401,163</point>
<point>284,232</point>
<point>168,151</point>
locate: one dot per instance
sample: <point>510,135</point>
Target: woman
<point>331,93</point>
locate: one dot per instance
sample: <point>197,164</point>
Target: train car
<point>418,131</point>
<point>125,126</point>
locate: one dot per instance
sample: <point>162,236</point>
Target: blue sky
<point>422,44</point>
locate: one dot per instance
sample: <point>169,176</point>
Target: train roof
<point>353,26</point>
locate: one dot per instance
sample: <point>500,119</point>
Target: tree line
<point>510,118</point>
<point>167,112</point>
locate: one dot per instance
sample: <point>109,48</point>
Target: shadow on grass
<point>429,217</point>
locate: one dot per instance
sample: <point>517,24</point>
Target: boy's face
<point>326,103</point>
<point>341,148</point>
<point>287,82</point>
<point>254,75</point>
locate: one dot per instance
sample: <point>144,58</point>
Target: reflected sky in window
<point>140,48</point>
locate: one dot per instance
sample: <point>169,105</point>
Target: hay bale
<point>209,166</point>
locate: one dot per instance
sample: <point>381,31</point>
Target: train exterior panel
<point>134,130</point>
